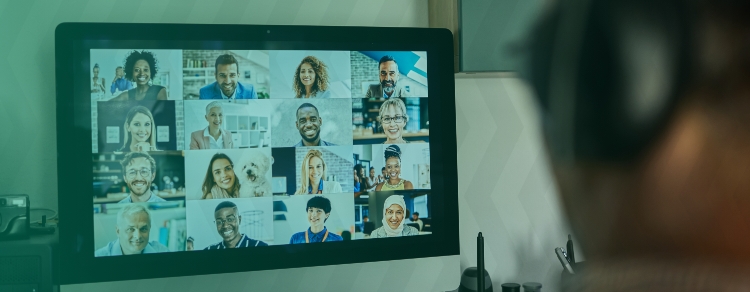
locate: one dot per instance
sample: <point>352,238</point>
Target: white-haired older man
<point>133,227</point>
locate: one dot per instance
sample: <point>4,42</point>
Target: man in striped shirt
<point>227,224</point>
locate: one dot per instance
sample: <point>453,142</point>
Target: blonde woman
<point>139,131</point>
<point>393,119</point>
<point>313,176</point>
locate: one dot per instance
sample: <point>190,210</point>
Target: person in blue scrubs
<point>318,211</point>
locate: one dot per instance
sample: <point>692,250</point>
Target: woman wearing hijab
<point>393,219</point>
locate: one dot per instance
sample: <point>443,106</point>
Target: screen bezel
<point>77,263</point>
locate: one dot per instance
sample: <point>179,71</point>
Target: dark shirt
<point>244,242</point>
<point>151,93</point>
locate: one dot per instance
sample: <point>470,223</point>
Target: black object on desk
<point>511,287</point>
<point>27,265</point>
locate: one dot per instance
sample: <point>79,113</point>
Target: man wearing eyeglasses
<point>308,123</point>
<point>227,85</point>
<point>389,76</point>
<point>227,224</point>
<point>139,170</point>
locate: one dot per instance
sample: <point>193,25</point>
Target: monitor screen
<point>270,148</point>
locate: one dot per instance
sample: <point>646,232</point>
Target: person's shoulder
<point>299,144</point>
<point>296,238</point>
<point>334,237</point>
<point>105,250</point>
<point>156,198</point>
<point>198,134</point>
<point>213,246</point>
<point>408,230</point>
<point>245,91</point>
<point>158,247</point>
<point>208,91</point>
<point>324,143</point>
<point>125,200</point>
<point>378,232</point>
<point>323,94</point>
<point>258,243</point>
<point>408,184</point>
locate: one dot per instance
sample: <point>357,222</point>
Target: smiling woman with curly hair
<point>140,68</point>
<point>311,79</point>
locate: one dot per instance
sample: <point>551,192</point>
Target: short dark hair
<point>226,59</point>
<point>142,55</point>
<point>319,202</point>
<point>118,67</point>
<point>382,168</point>
<point>358,167</point>
<point>416,213</point>
<point>133,155</point>
<point>225,204</point>
<point>304,105</point>
<point>373,168</point>
<point>363,217</point>
<point>387,58</point>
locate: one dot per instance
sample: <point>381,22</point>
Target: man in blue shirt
<point>318,211</point>
<point>308,123</point>
<point>120,83</point>
<point>226,85</point>
<point>227,224</point>
<point>133,227</point>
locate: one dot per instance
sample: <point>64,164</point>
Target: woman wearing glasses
<point>393,170</point>
<point>393,119</point>
<point>220,181</point>
<point>394,210</point>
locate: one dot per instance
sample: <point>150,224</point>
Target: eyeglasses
<point>396,119</point>
<point>145,172</point>
<point>230,220</point>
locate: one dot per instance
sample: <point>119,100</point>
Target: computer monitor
<point>265,143</point>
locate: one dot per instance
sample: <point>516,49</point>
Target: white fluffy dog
<point>251,173</point>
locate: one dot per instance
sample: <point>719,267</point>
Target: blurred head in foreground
<point>645,116</point>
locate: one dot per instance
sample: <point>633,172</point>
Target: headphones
<point>608,74</point>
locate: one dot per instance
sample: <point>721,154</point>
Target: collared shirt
<point>244,242</point>
<point>214,143</point>
<point>113,248</point>
<point>299,237</point>
<point>228,97</point>
<point>120,84</point>
<point>152,199</point>
<point>321,143</point>
<point>320,188</point>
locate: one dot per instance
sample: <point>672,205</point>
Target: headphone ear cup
<point>626,65</point>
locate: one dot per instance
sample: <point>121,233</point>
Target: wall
<point>504,182</point>
<point>504,185</point>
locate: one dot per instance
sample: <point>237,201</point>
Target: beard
<point>388,86</point>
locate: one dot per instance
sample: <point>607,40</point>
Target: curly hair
<point>321,77</point>
<point>133,57</point>
<point>392,151</point>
